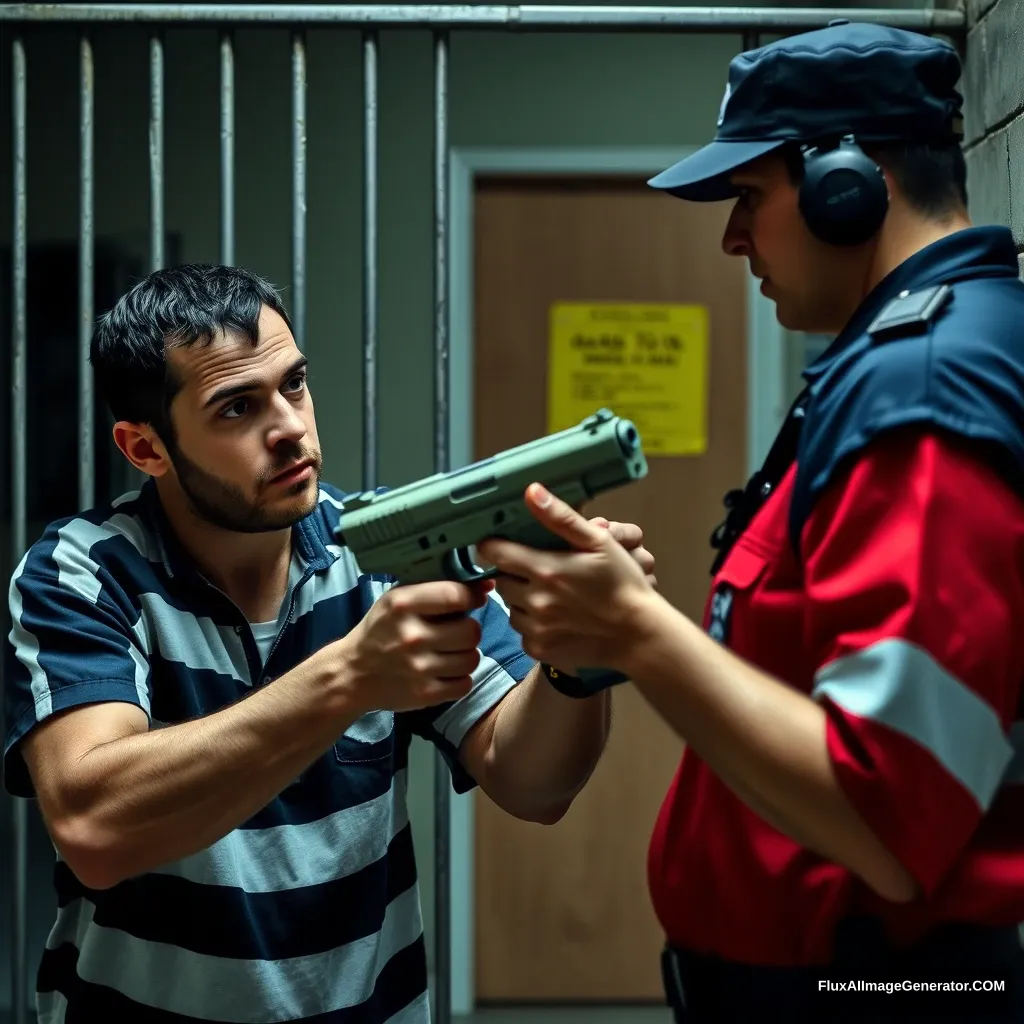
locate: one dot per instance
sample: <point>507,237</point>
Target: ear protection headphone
<point>843,196</point>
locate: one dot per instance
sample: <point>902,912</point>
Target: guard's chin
<point>792,319</point>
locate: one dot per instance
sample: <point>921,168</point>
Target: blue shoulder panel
<point>957,367</point>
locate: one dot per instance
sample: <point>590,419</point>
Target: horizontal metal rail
<point>530,17</point>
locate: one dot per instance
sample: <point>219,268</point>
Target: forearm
<point>764,739</point>
<point>544,747</point>
<point>161,795</point>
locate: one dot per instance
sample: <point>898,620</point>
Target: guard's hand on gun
<point>578,607</point>
<point>417,646</point>
<point>631,537</point>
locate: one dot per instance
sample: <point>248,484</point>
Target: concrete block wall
<point>993,89</point>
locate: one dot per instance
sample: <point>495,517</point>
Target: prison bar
<point>19,480</point>
<point>533,17</point>
<point>86,277</point>
<point>156,152</point>
<point>370,101</point>
<point>442,456</point>
<point>227,149</point>
<point>298,296</point>
<point>749,22</point>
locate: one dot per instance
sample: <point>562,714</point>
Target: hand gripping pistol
<point>428,530</point>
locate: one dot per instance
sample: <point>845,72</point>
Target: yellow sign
<point>648,363</point>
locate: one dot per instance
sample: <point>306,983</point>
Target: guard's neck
<point>904,234</point>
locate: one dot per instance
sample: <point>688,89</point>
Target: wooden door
<point>563,913</point>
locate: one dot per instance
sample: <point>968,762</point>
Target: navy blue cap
<point>870,81</point>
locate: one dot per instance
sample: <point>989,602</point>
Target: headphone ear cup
<point>843,196</point>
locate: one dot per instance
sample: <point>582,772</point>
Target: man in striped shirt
<point>213,706</point>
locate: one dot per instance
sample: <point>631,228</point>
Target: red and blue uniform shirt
<point>883,577</point>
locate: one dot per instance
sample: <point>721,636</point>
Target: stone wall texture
<point>993,88</point>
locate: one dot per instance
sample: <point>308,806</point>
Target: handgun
<point>429,529</point>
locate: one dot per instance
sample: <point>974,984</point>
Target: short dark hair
<point>175,307</point>
<point>932,177</point>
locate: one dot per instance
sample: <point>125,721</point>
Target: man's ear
<point>141,446</point>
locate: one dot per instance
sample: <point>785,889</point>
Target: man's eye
<point>238,406</point>
<point>297,383</point>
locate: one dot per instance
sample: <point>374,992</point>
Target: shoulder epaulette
<point>909,313</point>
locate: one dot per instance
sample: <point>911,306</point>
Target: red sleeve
<point>914,563</point>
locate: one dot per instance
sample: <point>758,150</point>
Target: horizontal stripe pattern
<point>914,599</point>
<point>165,908</point>
<point>899,685</point>
<point>66,978</point>
<point>921,754</point>
<point>282,857</point>
<point>309,911</point>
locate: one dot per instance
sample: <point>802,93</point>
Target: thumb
<point>563,520</point>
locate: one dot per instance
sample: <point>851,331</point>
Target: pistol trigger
<point>461,564</point>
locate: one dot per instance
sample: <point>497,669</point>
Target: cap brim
<point>703,177</point>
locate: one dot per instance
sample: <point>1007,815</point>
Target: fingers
<point>629,535</point>
<point>449,667</point>
<point>644,559</point>
<point>562,519</point>
<point>513,559</point>
<point>441,691</point>
<point>536,634</point>
<point>439,598</point>
<point>449,635</point>
<point>514,592</point>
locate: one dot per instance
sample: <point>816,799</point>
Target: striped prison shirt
<point>309,911</point>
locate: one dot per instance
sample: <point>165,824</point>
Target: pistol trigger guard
<point>460,565</point>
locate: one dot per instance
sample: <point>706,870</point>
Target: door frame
<point>765,397</point>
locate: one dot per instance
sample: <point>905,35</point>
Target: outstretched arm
<point>914,596</point>
<point>538,748</point>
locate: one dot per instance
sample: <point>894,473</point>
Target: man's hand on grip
<point>417,646</point>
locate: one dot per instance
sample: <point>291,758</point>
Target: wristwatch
<point>571,686</point>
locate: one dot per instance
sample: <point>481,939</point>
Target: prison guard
<point>885,578</point>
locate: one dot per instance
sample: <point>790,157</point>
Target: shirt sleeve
<point>913,567</point>
<point>75,639</point>
<point>503,665</point>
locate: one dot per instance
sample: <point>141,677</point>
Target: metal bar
<point>19,477</point>
<point>86,282</point>
<point>533,17</point>
<point>227,149</point>
<point>299,189</point>
<point>157,232</point>
<point>369,260</point>
<point>442,459</point>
